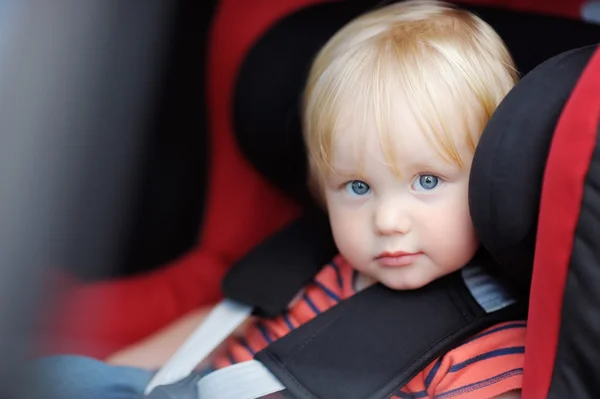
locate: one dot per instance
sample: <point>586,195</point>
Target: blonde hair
<point>429,52</point>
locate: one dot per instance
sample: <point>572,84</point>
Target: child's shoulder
<point>490,348</point>
<point>336,269</point>
<point>340,262</point>
<point>486,365</point>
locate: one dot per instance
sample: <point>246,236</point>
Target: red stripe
<point>570,154</point>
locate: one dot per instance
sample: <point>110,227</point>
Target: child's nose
<point>392,219</point>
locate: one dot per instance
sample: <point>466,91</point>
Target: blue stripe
<point>403,395</point>
<point>338,273</point>
<point>311,304</point>
<point>432,373</point>
<point>410,395</point>
<point>481,384</point>
<point>329,293</point>
<point>247,346</point>
<point>520,324</point>
<point>487,355</point>
<point>264,333</point>
<point>231,358</point>
<point>287,320</point>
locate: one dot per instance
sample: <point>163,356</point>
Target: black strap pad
<point>375,342</point>
<point>271,275</point>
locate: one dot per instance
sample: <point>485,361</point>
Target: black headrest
<point>267,97</point>
<point>509,163</point>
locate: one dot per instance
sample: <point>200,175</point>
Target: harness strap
<point>375,342</point>
<point>271,275</point>
<point>219,324</point>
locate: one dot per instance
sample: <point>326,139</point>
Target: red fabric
<point>98,319</point>
<point>570,153</point>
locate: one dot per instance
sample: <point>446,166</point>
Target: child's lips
<point>397,259</point>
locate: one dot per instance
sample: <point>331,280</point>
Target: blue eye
<point>358,187</point>
<point>425,182</point>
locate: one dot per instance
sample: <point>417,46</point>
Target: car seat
<point>121,307</point>
<point>536,164</point>
<point>533,196</point>
<point>274,117</point>
<point>563,358</point>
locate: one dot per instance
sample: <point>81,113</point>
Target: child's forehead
<point>405,145</point>
<point>399,131</point>
<point>353,148</point>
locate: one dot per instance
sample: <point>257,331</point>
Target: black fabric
<point>266,108</point>
<point>169,196</point>
<point>508,167</point>
<point>375,342</point>
<point>577,364</point>
<point>171,199</point>
<point>269,85</point>
<point>274,271</point>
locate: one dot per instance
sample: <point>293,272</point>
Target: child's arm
<point>488,365</point>
<point>96,319</point>
<point>153,352</point>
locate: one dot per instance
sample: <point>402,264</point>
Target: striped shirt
<point>487,365</point>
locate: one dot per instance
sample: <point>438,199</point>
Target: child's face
<point>403,231</point>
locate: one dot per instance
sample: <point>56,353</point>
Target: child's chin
<point>402,284</point>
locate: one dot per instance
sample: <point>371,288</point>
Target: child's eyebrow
<point>426,166</point>
<point>436,165</point>
<point>346,173</point>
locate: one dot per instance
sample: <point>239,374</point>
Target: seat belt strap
<point>223,320</point>
<point>375,342</point>
<point>272,273</point>
<point>253,380</point>
<point>246,380</point>
<point>377,365</point>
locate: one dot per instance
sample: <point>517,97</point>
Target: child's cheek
<point>348,231</point>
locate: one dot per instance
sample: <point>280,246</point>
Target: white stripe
<point>220,323</point>
<point>246,380</point>
<point>486,290</point>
